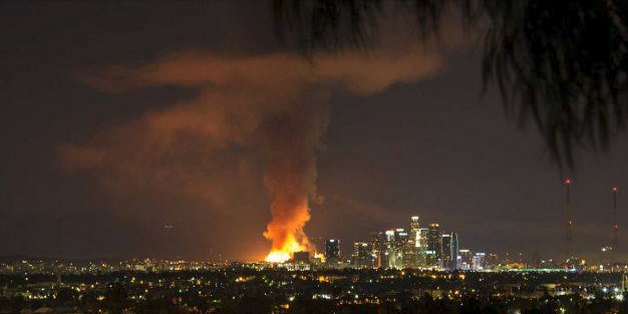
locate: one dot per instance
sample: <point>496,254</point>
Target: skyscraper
<point>362,257</point>
<point>390,253</point>
<point>449,245</point>
<point>455,254</point>
<point>478,261</point>
<point>378,249</point>
<point>414,230</point>
<point>396,248</point>
<point>332,250</point>
<point>466,259</point>
<point>411,250</point>
<point>422,249</point>
<point>434,246</point>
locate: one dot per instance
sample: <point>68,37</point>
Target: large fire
<point>286,231</point>
<point>290,177</point>
<point>285,253</point>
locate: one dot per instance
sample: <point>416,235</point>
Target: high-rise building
<point>434,246</point>
<point>362,257</point>
<point>466,259</point>
<point>408,249</point>
<point>412,250</point>
<point>478,261</point>
<point>449,249</point>
<point>332,250</point>
<point>414,230</point>
<point>422,249</point>
<point>455,254</point>
<point>378,249</point>
<point>396,252</point>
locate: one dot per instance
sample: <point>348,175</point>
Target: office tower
<point>407,244</point>
<point>414,230</point>
<point>446,251</point>
<point>362,257</point>
<point>466,259</point>
<point>449,249</point>
<point>396,248</point>
<point>412,251</point>
<point>378,249</point>
<point>434,246</point>
<point>332,250</point>
<point>422,247</point>
<point>478,261</point>
<point>390,255</point>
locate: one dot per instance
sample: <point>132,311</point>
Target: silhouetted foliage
<point>562,63</point>
<point>115,298</point>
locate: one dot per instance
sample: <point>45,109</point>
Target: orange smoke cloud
<point>269,109</point>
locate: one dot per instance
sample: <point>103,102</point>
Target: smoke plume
<point>270,109</point>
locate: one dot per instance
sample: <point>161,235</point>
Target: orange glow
<point>285,230</point>
<point>284,253</point>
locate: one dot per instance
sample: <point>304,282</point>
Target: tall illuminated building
<point>414,230</point>
<point>478,261</point>
<point>401,245</point>
<point>390,251</point>
<point>434,246</point>
<point>378,249</point>
<point>449,245</point>
<point>411,251</point>
<point>332,251</point>
<point>466,259</point>
<point>362,257</point>
<point>396,248</point>
<point>422,249</point>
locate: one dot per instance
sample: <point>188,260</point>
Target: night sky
<point>425,143</point>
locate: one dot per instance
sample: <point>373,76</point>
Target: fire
<point>277,257</point>
<point>285,230</point>
<point>284,253</point>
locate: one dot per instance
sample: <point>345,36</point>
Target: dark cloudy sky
<point>432,146</point>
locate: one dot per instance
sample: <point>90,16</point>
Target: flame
<point>285,252</point>
<point>285,230</point>
<point>290,178</point>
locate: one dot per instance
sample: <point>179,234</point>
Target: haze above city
<point>85,175</point>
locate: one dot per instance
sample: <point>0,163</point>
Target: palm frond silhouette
<point>561,64</point>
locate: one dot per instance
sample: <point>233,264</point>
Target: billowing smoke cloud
<point>270,109</point>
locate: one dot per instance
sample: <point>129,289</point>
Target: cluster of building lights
<point>416,247</point>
